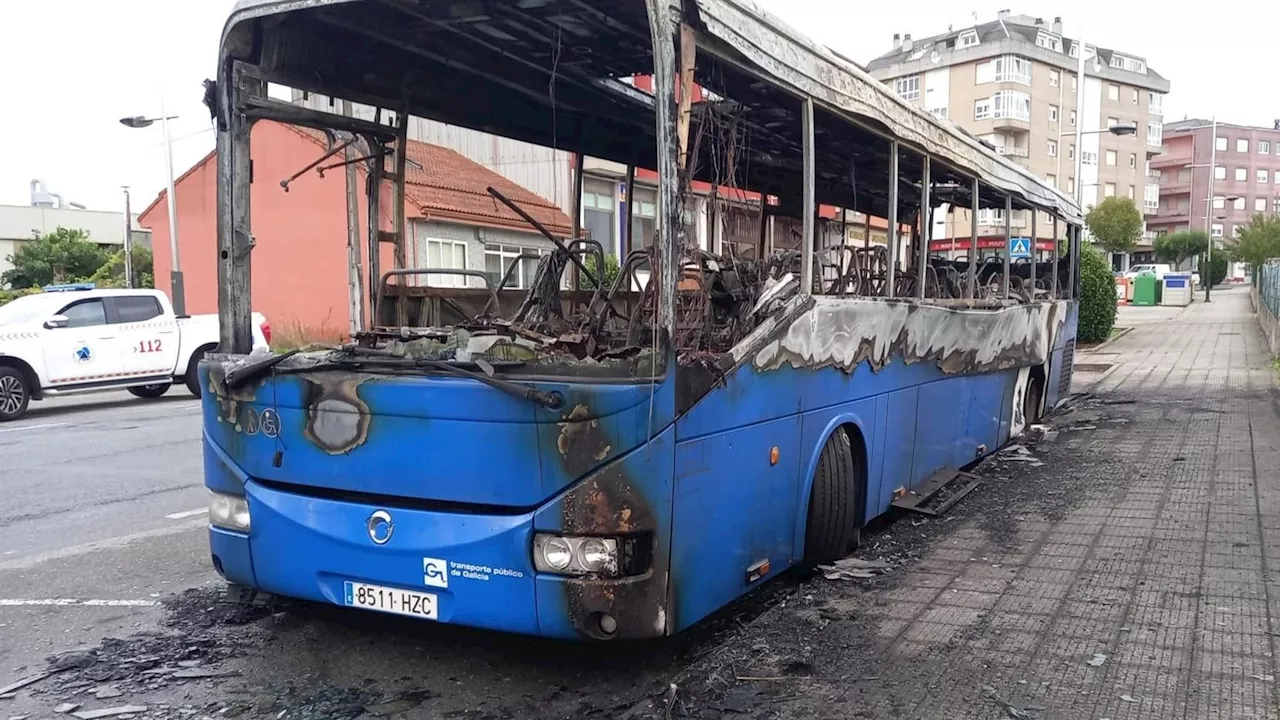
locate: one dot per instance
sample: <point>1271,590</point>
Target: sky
<point>70,69</point>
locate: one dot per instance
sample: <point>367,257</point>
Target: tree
<point>62,256</point>
<point>1176,248</point>
<point>1257,243</point>
<point>1217,268</point>
<point>1115,224</point>
<point>111,274</point>
<point>1097,296</point>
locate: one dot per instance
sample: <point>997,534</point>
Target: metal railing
<point>1269,286</point>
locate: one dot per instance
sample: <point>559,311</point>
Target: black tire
<point>833,528</point>
<point>193,372</point>
<point>15,395</point>
<point>1031,402</point>
<point>151,392</point>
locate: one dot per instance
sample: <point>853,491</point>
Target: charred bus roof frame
<point>365,51</point>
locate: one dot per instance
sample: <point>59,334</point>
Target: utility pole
<point>128,240</point>
<point>1207,276</point>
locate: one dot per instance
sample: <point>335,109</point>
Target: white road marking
<point>62,602</point>
<point>34,427</point>
<point>37,559</point>
<point>187,513</point>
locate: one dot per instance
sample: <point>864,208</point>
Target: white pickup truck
<point>75,339</point>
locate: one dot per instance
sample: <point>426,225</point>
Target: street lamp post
<point>1207,277</point>
<point>177,292</point>
<point>128,240</point>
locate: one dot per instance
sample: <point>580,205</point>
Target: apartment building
<point>1013,84</point>
<point>1245,166</point>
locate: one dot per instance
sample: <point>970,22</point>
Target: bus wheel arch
<point>836,499</point>
<point>1033,397</point>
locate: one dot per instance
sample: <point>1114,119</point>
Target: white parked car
<point>1160,270</point>
<point>76,339</point>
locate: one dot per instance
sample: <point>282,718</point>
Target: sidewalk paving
<point>1121,568</point>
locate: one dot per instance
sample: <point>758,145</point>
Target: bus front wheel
<point>833,528</point>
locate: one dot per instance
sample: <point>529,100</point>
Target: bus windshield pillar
<point>972,290</point>
<point>1053,288</point>
<point>1035,254</point>
<point>810,201</point>
<point>1008,235</point>
<point>235,242</point>
<point>662,30</point>
<point>1073,252</point>
<point>893,219</point>
<point>926,228</point>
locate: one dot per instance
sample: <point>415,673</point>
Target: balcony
<point>1169,159</point>
<point>1161,217</point>
<point>1011,123</point>
<point>1175,188</point>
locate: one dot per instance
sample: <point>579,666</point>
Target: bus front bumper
<point>477,569</point>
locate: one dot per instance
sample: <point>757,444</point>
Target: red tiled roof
<point>448,186</point>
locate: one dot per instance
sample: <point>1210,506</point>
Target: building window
<point>1117,62</point>
<point>1071,152</point>
<point>1051,180</point>
<point>982,109</point>
<point>1275,205</point>
<point>1262,177</point>
<point>498,259</point>
<point>1220,143</point>
<point>1135,96</point>
<point>1219,202</point>
<point>1109,190</point>
<point>1072,116</point>
<point>644,216</point>
<point>1088,158</point>
<point>1053,113</point>
<point>1111,158</point>
<point>599,212</point>
<point>1217,230</point>
<point>1112,122</point>
<point>1238,204</point>
<point>1219,172</point>
<point>908,88</point>
<point>446,255</point>
<point>1151,197</point>
<point>1071,186</point>
<point>968,38</point>
<point>1260,204</point>
<point>1053,148</point>
<point>1011,104</point>
<point>1155,132</point>
<point>1235,230</point>
<point>1049,42</point>
<point>1073,83</point>
<point>1155,103</point>
<point>1242,145</point>
<point>1011,68</point>
<point>1242,174</point>
<point>1264,147</point>
<point>940,113</point>
<point>1132,194</point>
<point>1133,162</point>
<point>1055,78</point>
<point>1113,92</point>
<point>1276,177</point>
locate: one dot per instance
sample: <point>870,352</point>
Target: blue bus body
<point>468,474</point>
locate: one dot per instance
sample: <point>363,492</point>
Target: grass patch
<point>294,335</point>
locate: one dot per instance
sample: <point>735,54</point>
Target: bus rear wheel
<point>1031,402</point>
<point>833,528</point>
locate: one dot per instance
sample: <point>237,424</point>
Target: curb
<point>1108,341</point>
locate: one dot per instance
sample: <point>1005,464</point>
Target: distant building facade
<point>47,212</point>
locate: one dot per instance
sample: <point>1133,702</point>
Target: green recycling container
<point>1146,289</point>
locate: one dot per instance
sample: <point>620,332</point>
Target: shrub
<point>611,270</point>
<point>1217,267</point>
<point>1097,296</point>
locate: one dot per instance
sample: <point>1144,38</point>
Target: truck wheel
<point>193,373</point>
<point>832,529</point>
<point>151,391</point>
<point>14,395</point>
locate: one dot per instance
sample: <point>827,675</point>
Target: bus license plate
<point>390,600</point>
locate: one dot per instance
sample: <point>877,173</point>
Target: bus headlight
<point>568,555</point>
<point>229,511</point>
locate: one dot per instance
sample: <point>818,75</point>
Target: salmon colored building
<point>300,266</point>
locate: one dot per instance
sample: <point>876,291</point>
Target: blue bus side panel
<point>986,405</point>
<point>732,509</point>
<point>938,409</point>
<point>899,446</point>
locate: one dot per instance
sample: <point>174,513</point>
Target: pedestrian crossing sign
<point>1019,247</point>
